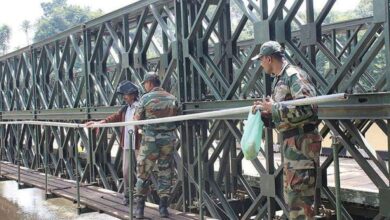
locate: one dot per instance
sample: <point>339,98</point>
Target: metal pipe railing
<point>197,116</point>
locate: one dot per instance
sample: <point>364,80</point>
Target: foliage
<point>5,34</point>
<point>59,16</point>
<point>364,8</point>
<point>377,67</point>
<point>26,26</point>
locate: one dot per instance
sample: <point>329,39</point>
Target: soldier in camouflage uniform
<point>157,143</point>
<point>297,126</point>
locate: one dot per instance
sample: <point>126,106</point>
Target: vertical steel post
<point>387,42</point>
<point>336,176</point>
<point>18,153</point>
<point>2,143</point>
<point>45,146</point>
<point>388,146</point>
<point>35,105</point>
<point>77,176</point>
<point>89,90</point>
<point>2,127</point>
<point>310,19</point>
<point>387,85</point>
<point>200,176</point>
<point>311,50</point>
<point>131,133</point>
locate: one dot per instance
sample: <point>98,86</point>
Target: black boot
<point>163,208</point>
<point>139,207</point>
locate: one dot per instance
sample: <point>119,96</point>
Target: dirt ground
<point>374,136</point>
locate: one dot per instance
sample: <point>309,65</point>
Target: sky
<point>13,12</point>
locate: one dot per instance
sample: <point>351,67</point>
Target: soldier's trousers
<point>301,157</point>
<point>154,148</point>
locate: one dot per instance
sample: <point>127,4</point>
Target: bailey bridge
<point>201,49</point>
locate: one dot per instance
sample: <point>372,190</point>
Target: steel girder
<point>202,51</point>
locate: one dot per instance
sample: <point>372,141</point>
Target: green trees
<point>59,16</point>
<point>364,8</point>
<point>26,26</point>
<point>5,34</point>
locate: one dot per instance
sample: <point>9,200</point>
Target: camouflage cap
<point>149,76</point>
<point>268,48</point>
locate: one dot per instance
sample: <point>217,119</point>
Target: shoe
<point>163,207</point>
<point>125,201</point>
<point>139,207</point>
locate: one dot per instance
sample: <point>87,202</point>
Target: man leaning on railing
<point>130,94</point>
<point>297,126</point>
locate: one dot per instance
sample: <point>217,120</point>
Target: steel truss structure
<point>202,51</point>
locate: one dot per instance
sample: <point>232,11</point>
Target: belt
<point>297,131</point>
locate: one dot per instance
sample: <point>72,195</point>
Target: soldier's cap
<point>149,76</point>
<point>126,87</point>
<point>268,48</point>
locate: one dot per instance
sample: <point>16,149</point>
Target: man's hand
<point>90,124</point>
<point>136,117</point>
<point>257,105</point>
<point>265,106</point>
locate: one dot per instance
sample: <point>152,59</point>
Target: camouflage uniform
<point>301,141</point>
<point>157,141</point>
<point>301,151</point>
